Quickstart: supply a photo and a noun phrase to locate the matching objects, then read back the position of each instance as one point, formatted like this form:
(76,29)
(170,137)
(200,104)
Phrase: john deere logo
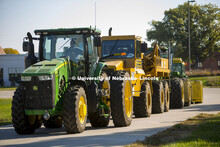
(35,88)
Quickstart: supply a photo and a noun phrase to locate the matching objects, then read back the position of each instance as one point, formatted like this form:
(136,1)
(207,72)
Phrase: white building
(11,67)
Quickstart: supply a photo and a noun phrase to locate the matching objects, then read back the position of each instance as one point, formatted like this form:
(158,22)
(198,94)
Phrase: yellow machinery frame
(139,68)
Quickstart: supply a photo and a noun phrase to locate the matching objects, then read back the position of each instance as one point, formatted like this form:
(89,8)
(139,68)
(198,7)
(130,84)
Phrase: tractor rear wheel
(53,122)
(121,99)
(166,97)
(75,109)
(177,93)
(143,104)
(158,97)
(102,116)
(23,124)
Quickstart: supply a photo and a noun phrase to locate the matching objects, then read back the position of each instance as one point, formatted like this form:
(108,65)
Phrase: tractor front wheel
(23,124)
(75,110)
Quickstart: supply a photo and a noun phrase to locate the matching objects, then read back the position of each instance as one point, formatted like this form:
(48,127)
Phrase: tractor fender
(93,89)
(99,69)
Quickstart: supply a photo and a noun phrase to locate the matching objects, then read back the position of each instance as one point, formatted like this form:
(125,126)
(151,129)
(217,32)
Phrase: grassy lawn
(5,111)
(202,130)
(7,88)
(208,81)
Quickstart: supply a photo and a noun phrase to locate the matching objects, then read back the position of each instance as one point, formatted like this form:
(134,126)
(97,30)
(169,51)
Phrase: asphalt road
(111,136)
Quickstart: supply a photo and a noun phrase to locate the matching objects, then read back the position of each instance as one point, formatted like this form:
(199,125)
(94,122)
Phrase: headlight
(25,78)
(44,78)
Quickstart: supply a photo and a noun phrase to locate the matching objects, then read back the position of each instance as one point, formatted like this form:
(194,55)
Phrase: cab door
(93,56)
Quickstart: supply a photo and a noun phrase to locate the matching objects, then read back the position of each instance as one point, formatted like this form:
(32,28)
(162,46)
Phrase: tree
(11,51)
(173,29)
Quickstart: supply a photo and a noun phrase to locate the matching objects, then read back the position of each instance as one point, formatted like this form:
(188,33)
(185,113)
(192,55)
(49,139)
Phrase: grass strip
(202,130)
(208,81)
(8,88)
(5,111)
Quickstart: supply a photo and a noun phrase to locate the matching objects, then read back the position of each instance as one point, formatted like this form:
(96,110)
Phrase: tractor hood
(115,64)
(45,67)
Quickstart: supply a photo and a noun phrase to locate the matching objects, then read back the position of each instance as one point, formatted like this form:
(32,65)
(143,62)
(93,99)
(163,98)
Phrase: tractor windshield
(177,67)
(59,46)
(118,46)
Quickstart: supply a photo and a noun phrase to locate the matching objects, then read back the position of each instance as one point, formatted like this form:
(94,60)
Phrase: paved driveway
(112,136)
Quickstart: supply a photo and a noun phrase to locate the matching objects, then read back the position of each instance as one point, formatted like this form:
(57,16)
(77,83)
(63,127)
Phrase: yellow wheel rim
(167,100)
(162,97)
(182,94)
(105,89)
(31,119)
(149,100)
(128,99)
(82,110)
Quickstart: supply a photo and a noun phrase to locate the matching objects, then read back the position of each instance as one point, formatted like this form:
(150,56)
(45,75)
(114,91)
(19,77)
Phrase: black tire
(20,120)
(166,97)
(99,118)
(177,94)
(187,103)
(121,116)
(53,122)
(158,97)
(143,104)
(75,99)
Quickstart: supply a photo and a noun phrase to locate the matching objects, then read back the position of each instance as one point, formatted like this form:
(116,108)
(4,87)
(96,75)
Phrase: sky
(126,17)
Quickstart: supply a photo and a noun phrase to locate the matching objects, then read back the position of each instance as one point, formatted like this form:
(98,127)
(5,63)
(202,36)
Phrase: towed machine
(150,94)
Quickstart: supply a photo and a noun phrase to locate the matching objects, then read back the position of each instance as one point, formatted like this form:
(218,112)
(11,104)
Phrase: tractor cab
(75,45)
(178,68)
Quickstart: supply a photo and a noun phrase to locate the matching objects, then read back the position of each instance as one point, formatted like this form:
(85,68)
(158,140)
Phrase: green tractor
(178,72)
(54,89)
(193,90)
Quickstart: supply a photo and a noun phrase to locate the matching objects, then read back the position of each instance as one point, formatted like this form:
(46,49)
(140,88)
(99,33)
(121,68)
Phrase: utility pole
(95,15)
(189,33)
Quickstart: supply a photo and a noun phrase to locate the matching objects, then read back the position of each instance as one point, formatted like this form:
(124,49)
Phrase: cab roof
(121,37)
(178,60)
(61,31)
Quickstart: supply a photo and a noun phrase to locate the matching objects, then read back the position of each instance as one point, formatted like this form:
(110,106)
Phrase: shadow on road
(84,139)
(203,107)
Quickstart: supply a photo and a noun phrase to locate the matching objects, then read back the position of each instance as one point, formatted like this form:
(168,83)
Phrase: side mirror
(97,41)
(144,47)
(26,46)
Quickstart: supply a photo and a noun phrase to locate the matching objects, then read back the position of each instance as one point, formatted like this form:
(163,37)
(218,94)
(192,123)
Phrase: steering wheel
(69,52)
(72,53)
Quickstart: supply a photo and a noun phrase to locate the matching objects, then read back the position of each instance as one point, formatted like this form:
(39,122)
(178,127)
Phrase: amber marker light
(123,54)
